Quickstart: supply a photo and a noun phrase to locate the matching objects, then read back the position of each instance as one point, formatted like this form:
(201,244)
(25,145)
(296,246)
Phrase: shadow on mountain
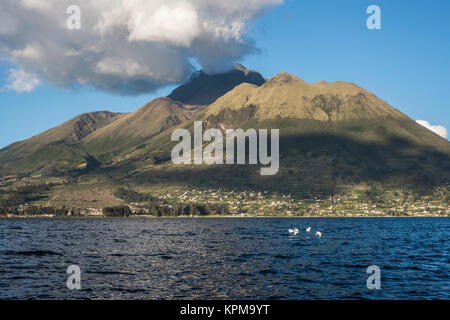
(320,165)
(204,89)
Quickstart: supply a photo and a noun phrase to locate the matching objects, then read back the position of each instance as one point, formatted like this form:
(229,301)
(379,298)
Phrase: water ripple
(225,258)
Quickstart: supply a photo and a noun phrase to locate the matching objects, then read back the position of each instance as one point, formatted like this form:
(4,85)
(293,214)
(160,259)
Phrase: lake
(225,258)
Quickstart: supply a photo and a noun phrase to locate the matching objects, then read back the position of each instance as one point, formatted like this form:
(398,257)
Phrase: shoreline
(220,217)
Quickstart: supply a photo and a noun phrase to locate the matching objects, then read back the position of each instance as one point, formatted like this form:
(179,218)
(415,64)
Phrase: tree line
(158,207)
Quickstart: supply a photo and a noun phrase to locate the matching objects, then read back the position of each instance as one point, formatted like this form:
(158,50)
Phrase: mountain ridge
(287,95)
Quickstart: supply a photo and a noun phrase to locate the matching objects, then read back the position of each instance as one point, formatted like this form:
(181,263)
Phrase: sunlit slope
(286,95)
(340,103)
(54,148)
(332,135)
(129,131)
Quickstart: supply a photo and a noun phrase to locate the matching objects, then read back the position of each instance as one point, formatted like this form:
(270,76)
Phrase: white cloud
(438,129)
(29,52)
(175,25)
(20,81)
(37,4)
(120,66)
(126,47)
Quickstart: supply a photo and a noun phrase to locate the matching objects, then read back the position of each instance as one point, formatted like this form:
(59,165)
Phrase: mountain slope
(98,134)
(56,144)
(154,117)
(204,89)
(286,95)
(70,132)
(332,135)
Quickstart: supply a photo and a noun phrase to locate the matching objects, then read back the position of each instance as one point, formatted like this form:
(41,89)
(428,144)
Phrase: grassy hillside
(115,142)
(332,136)
(54,149)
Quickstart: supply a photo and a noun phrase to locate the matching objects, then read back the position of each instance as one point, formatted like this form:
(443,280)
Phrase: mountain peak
(203,88)
(287,96)
(283,78)
(321,82)
(240,67)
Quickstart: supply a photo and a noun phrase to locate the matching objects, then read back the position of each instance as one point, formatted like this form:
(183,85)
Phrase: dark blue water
(225,258)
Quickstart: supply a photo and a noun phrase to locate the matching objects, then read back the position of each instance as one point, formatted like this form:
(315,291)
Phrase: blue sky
(405,63)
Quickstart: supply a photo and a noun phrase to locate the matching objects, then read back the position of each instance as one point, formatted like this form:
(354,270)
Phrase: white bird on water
(308,229)
(318,234)
(293,231)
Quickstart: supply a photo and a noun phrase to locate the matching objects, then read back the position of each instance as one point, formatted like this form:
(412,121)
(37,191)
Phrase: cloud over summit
(126,47)
(438,129)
